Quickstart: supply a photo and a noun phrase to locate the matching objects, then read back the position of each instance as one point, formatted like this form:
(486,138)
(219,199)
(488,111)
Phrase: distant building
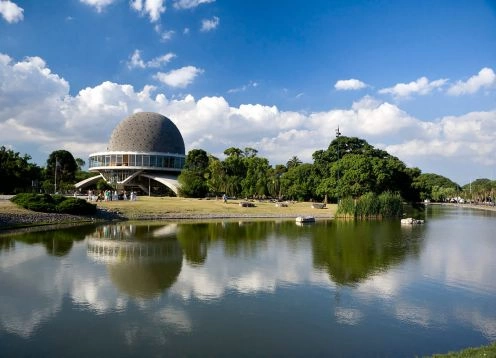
(145,151)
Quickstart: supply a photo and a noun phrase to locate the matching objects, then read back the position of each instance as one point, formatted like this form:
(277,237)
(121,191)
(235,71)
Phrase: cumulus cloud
(486,78)
(99,5)
(189,4)
(348,85)
(152,8)
(182,77)
(421,86)
(11,12)
(37,111)
(209,24)
(135,60)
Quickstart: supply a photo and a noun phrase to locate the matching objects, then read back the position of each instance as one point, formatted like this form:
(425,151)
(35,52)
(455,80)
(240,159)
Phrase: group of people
(109,195)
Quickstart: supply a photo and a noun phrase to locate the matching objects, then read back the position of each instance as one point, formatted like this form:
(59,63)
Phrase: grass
(187,207)
(484,351)
(149,207)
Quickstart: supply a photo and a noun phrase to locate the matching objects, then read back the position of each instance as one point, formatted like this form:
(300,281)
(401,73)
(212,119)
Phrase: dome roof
(146,132)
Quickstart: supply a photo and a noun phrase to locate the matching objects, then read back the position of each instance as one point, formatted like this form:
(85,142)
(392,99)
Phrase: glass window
(153,160)
(146,160)
(132,161)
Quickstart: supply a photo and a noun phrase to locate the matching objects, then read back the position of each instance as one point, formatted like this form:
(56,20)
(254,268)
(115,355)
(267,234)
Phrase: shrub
(76,206)
(57,203)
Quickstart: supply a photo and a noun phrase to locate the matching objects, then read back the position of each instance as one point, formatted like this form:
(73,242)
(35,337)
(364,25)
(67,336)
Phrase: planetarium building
(145,152)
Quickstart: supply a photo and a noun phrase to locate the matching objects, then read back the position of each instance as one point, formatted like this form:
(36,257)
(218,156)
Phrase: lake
(251,288)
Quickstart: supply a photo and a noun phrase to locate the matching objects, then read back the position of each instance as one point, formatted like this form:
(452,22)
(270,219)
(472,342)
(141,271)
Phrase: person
(224,197)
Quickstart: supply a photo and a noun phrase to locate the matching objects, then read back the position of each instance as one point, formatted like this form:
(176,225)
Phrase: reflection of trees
(57,242)
(142,260)
(238,237)
(6,244)
(352,251)
(194,239)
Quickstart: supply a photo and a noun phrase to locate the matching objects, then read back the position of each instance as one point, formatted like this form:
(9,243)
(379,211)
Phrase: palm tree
(293,162)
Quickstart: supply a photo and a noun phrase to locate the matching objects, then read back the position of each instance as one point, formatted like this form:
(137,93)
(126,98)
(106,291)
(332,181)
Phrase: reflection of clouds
(349,316)
(177,318)
(481,322)
(413,314)
(23,308)
(277,265)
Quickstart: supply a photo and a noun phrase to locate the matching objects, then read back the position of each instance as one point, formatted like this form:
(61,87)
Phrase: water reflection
(142,261)
(153,287)
(352,251)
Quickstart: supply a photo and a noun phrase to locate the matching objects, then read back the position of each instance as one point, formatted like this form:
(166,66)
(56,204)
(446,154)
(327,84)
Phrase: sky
(415,78)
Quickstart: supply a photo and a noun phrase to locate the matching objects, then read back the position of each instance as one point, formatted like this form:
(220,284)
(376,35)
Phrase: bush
(76,206)
(54,204)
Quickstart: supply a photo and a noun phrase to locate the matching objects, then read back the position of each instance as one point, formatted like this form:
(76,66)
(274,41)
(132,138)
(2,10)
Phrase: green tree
(62,165)
(80,163)
(193,176)
(429,186)
(215,176)
(17,174)
(235,171)
(293,162)
(298,182)
(256,180)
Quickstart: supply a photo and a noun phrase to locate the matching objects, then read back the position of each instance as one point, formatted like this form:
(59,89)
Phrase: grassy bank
(155,208)
(484,351)
(169,207)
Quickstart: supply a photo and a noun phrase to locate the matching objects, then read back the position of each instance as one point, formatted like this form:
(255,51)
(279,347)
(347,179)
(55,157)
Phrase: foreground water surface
(251,288)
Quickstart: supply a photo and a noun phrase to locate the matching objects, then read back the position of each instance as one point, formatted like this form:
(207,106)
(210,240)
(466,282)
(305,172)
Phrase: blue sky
(416,78)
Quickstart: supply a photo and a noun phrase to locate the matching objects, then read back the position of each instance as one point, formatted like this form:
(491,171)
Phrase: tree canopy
(17,174)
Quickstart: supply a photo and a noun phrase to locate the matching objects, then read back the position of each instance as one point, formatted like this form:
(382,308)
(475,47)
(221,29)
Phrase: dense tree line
(349,167)
(19,175)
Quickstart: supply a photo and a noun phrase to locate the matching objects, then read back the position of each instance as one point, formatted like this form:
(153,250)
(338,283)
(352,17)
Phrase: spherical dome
(146,132)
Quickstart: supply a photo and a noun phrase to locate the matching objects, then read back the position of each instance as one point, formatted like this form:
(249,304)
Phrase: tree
(298,182)
(430,186)
(215,176)
(255,181)
(80,163)
(293,162)
(192,178)
(61,164)
(17,174)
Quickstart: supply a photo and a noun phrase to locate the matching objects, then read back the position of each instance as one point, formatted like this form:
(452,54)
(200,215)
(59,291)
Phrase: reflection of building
(142,261)
(145,151)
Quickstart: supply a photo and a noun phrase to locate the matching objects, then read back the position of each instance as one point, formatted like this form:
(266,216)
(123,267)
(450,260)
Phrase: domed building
(145,152)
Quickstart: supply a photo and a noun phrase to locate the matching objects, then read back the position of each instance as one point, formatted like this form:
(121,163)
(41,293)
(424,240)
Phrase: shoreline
(13,218)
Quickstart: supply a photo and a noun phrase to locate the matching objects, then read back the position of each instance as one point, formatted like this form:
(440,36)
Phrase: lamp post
(338,134)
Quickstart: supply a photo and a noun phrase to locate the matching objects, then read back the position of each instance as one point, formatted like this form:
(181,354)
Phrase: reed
(370,205)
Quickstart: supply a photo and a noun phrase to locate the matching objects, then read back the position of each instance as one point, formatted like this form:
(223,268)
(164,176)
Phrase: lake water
(251,288)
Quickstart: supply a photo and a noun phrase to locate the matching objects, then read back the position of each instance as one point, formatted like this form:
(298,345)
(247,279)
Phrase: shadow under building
(145,152)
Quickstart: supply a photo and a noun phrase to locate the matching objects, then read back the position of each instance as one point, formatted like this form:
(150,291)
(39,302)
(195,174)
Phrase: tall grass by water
(370,205)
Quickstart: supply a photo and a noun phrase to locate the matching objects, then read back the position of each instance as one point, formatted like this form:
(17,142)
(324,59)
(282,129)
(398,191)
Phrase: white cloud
(11,12)
(38,112)
(136,61)
(486,78)
(165,35)
(181,77)
(209,24)
(351,84)
(421,86)
(152,8)
(189,4)
(251,84)
(99,5)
